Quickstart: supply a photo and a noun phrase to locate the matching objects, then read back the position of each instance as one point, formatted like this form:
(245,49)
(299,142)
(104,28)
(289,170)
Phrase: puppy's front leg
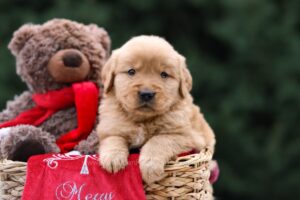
(158,151)
(113,153)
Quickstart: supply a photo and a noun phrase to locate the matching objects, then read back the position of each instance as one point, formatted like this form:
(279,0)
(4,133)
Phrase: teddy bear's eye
(164,75)
(131,72)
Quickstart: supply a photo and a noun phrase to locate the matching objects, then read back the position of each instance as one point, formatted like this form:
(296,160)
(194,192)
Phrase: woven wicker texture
(185,178)
(12,179)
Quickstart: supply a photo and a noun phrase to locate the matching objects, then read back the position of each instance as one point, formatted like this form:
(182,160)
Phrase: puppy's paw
(152,169)
(114,161)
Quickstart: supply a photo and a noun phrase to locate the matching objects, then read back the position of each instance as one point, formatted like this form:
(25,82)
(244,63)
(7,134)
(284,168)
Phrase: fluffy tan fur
(169,125)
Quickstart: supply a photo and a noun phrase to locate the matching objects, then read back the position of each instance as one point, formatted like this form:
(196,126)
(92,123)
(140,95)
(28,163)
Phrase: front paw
(114,161)
(152,169)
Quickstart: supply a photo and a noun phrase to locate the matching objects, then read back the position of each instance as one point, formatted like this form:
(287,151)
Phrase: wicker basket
(186,178)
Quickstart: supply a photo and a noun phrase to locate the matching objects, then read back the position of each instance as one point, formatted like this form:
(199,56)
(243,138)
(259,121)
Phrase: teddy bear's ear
(101,36)
(20,37)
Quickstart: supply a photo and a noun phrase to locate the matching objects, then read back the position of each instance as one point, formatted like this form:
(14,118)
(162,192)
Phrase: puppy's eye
(131,72)
(164,75)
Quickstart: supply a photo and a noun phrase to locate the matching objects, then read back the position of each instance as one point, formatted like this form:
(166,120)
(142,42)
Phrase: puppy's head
(147,76)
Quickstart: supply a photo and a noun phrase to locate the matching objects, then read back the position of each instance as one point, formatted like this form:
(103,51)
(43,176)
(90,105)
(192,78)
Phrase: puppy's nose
(146,95)
(72,59)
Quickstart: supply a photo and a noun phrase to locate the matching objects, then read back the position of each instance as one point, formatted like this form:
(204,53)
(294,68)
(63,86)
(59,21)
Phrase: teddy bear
(60,61)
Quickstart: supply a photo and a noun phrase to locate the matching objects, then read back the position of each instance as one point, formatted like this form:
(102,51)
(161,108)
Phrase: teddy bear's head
(58,53)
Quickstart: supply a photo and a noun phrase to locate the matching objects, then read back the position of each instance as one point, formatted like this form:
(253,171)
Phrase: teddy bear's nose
(69,66)
(72,59)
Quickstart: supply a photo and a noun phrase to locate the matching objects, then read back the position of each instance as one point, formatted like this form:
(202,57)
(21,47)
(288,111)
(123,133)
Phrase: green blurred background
(244,57)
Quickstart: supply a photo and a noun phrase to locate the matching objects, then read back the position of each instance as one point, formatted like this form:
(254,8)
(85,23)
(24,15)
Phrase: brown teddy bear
(60,61)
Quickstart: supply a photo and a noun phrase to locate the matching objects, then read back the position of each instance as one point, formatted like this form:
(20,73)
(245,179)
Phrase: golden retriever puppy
(147,104)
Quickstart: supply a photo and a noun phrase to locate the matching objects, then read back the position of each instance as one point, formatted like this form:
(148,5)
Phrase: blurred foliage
(244,57)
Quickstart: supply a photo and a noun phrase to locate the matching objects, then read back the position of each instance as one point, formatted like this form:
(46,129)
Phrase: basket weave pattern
(12,179)
(186,178)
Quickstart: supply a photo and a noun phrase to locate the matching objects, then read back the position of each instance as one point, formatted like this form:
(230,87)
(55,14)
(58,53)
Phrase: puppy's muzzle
(146,95)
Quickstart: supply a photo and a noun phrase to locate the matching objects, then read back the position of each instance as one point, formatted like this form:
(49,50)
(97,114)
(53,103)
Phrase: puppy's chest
(143,133)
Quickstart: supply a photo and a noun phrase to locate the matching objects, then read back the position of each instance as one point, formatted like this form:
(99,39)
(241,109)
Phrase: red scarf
(85,98)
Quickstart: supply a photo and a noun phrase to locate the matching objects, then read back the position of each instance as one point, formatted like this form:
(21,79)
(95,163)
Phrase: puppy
(147,104)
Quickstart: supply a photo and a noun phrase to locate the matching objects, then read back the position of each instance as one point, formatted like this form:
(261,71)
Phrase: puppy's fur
(164,127)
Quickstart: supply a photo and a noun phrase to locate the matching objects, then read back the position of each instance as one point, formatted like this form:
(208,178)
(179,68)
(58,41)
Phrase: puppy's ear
(21,36)
(108,72)
(186,82)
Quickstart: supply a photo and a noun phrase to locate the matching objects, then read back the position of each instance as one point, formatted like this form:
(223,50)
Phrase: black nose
(72,59)
(146,95)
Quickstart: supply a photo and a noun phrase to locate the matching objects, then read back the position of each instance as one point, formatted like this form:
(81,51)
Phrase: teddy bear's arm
(15,107)
(89,145)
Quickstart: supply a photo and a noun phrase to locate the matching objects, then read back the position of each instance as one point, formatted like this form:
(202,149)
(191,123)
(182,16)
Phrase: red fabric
(214,172)
(57,177)
(193,151)
(83,95)
(86,102)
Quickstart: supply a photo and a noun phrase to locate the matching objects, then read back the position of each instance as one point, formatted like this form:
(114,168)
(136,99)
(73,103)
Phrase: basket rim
(187,163)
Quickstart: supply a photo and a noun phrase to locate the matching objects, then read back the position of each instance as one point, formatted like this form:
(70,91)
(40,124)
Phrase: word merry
(70,191)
